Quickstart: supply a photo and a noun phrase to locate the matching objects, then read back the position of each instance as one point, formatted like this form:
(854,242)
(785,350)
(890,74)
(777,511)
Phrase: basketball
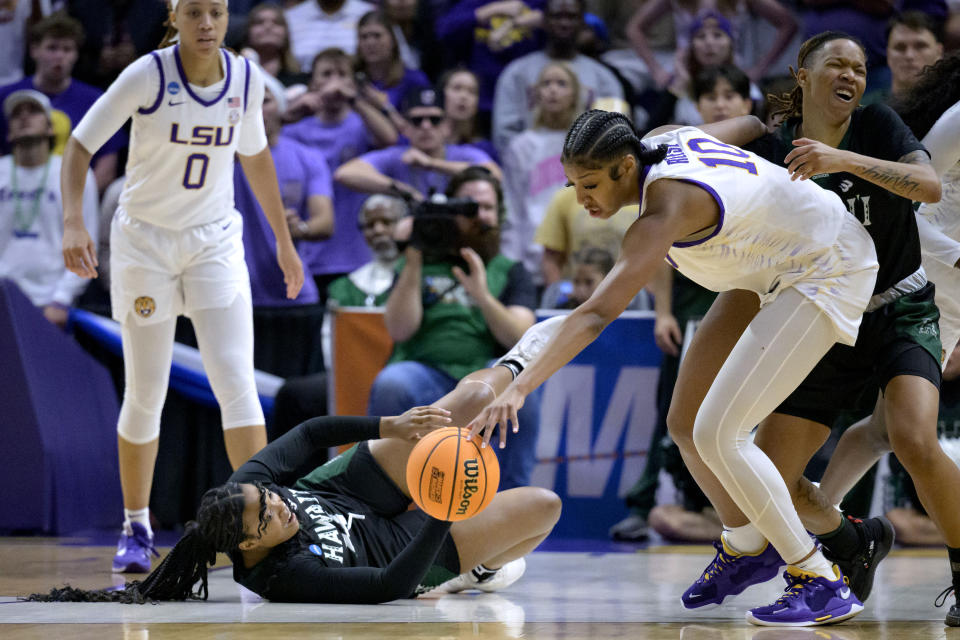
(450,477)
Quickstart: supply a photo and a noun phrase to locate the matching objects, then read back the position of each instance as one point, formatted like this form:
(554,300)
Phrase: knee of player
(706,440)
(475,391)
(138,425)
(548,504)
(145,398)
(916,448)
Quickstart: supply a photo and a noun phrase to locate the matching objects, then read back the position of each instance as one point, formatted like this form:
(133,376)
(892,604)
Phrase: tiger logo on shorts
(144,306)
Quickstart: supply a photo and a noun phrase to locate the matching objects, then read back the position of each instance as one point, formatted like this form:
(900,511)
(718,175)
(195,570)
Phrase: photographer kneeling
(456,305)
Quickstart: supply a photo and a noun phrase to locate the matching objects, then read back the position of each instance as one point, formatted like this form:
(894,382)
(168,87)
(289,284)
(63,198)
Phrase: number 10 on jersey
(707,146)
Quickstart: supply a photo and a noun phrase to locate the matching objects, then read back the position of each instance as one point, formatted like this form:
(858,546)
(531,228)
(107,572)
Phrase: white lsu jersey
(773,232)
(183,139)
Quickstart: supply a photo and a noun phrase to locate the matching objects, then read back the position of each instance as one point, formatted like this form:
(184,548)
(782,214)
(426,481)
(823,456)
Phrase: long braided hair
(599,137)
(218,527)
(937,90)
(790,104)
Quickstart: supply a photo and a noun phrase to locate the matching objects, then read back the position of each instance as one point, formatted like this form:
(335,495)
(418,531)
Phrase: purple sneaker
(729,574)
(133,551)
(809,600)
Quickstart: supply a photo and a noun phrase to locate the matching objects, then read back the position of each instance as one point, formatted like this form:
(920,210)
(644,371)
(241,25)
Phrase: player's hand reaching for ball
(414,423)
(500,411)
(292,268)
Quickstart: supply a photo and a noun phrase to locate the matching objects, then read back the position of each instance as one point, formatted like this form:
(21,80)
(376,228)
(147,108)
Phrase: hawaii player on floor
(343,532)
(735,223)
(176,239)
(932,111)
(828,139)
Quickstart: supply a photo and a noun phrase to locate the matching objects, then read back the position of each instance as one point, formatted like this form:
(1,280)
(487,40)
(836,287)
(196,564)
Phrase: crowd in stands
(371,108)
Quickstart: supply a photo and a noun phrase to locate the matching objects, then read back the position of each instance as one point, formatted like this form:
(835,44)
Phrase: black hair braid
(598,137)
(219,527)
(790,104)
(937,89)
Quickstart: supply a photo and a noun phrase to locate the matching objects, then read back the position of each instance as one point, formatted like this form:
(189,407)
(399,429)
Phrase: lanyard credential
(23,220)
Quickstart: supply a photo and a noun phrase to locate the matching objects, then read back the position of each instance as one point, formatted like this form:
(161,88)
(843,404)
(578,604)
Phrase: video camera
(436,230)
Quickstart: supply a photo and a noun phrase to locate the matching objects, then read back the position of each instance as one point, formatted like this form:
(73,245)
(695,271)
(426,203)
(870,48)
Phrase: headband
(723,23)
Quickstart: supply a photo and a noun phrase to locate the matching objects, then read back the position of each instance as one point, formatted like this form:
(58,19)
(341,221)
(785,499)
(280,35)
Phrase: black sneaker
(876,539)
(953,616)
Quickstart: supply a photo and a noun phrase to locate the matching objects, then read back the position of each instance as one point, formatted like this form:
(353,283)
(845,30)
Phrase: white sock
(819,565)
(141,516)
(745,539)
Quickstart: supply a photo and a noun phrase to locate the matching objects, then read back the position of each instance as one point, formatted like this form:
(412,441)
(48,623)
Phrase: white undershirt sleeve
(137,86)
(253,137)
(943,140)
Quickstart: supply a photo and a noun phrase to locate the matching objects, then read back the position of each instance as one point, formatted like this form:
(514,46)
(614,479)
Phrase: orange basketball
(450,477)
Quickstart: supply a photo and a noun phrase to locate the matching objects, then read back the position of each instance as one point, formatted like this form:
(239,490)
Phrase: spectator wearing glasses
(422,167)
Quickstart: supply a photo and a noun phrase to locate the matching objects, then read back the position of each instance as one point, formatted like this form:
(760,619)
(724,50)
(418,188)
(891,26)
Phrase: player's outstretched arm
(736,131)
(674,210)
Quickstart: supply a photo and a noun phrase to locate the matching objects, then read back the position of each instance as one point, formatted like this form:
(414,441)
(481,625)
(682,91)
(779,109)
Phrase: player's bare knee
(549,504)
(475,391)
(916,450)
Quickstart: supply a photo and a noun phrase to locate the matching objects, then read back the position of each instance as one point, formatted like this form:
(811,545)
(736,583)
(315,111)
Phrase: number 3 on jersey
(702,146)
(195,172)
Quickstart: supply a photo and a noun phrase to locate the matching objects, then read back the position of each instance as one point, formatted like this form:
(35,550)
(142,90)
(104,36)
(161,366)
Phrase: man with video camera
(457,304)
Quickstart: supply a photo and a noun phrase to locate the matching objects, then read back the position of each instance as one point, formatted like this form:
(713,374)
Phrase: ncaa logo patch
(316,550)
(173,88)
(144,306)
(234,116)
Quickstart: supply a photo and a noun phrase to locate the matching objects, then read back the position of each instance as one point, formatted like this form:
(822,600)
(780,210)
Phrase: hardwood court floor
(595,595)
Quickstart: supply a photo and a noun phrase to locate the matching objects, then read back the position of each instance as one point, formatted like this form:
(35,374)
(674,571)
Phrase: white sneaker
(503,578)
(532,341)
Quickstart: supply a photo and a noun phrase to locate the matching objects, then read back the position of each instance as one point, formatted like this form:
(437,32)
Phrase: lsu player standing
(176,238)
(731,222)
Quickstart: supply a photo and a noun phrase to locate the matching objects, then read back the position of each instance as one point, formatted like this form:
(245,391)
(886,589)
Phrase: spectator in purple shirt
(422,167)
(487,36)
(378,59)
(54,47)
(286,332)
(341,123)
